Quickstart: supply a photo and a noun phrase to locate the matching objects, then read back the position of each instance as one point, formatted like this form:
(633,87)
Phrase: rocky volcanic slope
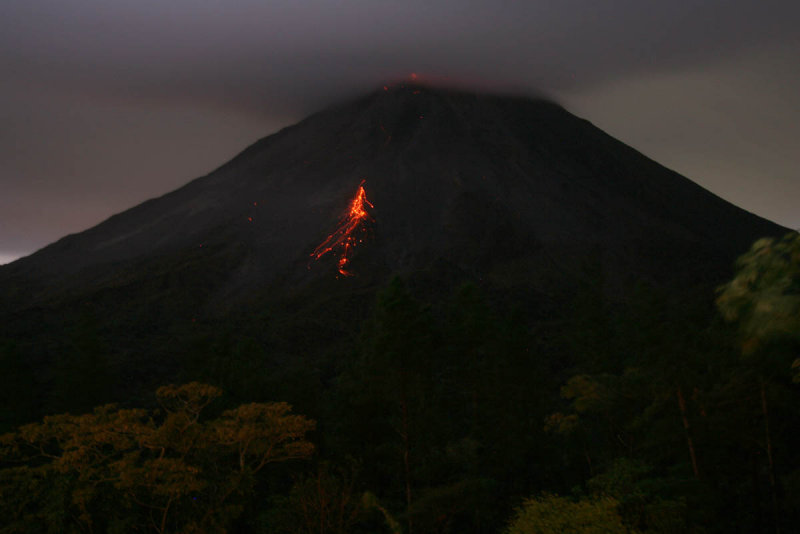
(478,181)
(515,194)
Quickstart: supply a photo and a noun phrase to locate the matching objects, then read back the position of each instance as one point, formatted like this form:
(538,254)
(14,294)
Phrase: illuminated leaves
(764,297)
(264,433)
(559,423)
(551,513)
(159,465)
(587,393)
(158,477)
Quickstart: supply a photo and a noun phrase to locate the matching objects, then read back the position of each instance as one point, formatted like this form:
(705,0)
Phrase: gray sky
(105,103)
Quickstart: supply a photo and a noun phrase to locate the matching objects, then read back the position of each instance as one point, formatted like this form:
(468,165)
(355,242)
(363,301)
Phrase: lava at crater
(349,232)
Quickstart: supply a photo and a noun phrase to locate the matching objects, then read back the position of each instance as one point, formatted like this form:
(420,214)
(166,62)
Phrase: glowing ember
(343,240)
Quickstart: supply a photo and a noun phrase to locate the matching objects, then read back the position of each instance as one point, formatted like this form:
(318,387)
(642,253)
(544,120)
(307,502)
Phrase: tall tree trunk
(757,507)
(687,429)
(588,459)
(767,435)
(406,460)
(322,502)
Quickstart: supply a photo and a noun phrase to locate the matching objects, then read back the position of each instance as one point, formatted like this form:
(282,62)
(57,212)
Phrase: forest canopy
(660,414)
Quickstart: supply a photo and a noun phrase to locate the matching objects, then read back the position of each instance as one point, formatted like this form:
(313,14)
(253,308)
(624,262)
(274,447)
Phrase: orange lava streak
(343,239)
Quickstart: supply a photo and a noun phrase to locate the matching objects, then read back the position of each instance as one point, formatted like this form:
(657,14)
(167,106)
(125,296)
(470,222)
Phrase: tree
(644,502)
(321,502)
(127,469)
(764,296)
(553,514)
(387,391)
(763,299)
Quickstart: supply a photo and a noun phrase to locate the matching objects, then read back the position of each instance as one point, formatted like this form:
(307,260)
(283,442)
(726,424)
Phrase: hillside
(526,291)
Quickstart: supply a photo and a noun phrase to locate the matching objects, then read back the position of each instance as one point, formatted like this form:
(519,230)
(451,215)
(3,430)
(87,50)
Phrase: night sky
(106,103)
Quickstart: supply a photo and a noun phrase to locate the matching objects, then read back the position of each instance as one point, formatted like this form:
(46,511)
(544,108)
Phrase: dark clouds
(109,103)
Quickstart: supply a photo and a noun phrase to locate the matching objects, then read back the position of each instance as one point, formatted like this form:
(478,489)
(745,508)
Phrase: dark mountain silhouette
(513,193)
(471,179)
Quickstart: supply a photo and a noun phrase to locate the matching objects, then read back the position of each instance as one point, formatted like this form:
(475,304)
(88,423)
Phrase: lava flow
(343,240)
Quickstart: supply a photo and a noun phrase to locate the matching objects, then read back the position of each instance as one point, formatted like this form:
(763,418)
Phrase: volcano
(475,180)
(515,194)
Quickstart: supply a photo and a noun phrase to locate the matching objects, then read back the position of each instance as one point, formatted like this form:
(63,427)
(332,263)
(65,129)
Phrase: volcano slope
(513,194)
(427,273)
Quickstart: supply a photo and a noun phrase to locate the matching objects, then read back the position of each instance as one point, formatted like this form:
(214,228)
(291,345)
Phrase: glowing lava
(344,239)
